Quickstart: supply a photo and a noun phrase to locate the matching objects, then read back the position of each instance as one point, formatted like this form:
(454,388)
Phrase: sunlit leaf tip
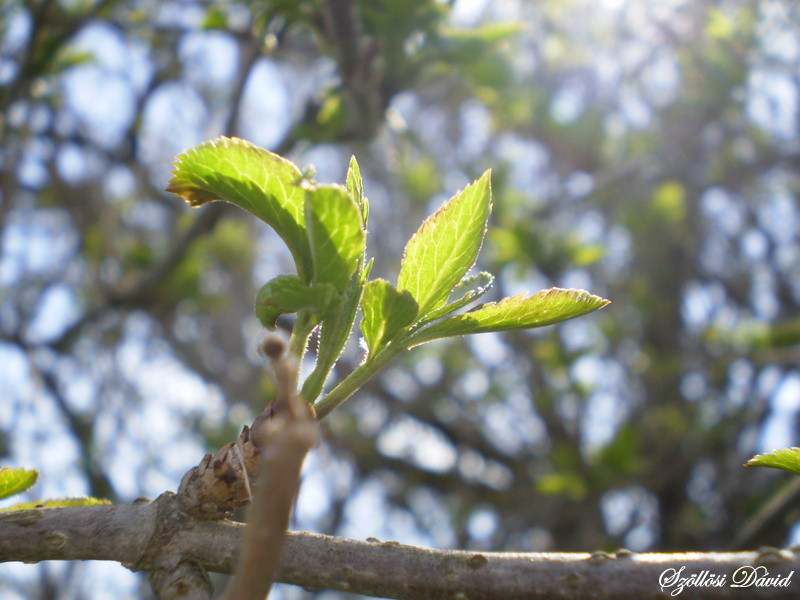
(355,186)
(15,481)
(786,459)
(184,181)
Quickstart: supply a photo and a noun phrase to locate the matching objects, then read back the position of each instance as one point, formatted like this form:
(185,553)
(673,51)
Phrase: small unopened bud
(272,346)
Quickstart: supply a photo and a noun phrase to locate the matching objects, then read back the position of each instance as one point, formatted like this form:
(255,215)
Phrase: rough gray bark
(152,535)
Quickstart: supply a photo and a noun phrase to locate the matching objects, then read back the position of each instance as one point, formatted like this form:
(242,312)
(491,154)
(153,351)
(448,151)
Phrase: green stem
(356,379)
(298,341)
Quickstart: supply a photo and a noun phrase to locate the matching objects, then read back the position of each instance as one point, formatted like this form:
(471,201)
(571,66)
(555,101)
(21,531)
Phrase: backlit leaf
(334,333)
(356,188)
(337,238)
(517,312)
(386,311)
(787,459)
(14,481)
(254,179)
(444,248)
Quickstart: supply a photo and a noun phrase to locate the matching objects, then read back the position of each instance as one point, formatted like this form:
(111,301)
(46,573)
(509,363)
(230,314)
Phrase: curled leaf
(255,179)
(289,294)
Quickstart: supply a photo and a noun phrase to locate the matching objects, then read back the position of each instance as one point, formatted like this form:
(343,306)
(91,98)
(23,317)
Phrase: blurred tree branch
(136,536)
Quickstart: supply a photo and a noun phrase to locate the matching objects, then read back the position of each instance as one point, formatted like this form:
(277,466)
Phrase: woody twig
(282,436)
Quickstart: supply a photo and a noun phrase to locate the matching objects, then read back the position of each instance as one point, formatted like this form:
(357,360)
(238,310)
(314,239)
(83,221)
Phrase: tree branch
(127,534)
(186,581)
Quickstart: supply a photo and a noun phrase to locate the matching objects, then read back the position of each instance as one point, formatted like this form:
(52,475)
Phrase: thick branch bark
(137,536)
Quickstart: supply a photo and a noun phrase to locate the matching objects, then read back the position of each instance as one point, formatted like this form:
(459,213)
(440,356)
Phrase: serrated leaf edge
(792,452)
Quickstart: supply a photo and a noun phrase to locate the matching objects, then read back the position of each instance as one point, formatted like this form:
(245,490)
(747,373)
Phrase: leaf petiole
(356,379)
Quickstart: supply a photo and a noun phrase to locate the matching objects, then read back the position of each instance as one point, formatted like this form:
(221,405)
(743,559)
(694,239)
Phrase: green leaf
(787,459)
(58,503)
(214,18)
(567,484)
(289,294)
(469,289)
(669,201)
(356,188)
(14,481)
(254,179)
(517,312)
(334,333)
(491,33)
(386,311)
(338,240)
(338,324)
(446,245)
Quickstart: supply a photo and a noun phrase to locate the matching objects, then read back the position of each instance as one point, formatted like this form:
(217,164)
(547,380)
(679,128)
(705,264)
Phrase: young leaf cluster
(325,227)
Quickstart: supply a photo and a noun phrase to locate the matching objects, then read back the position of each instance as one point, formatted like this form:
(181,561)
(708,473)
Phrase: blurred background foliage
(646,151)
